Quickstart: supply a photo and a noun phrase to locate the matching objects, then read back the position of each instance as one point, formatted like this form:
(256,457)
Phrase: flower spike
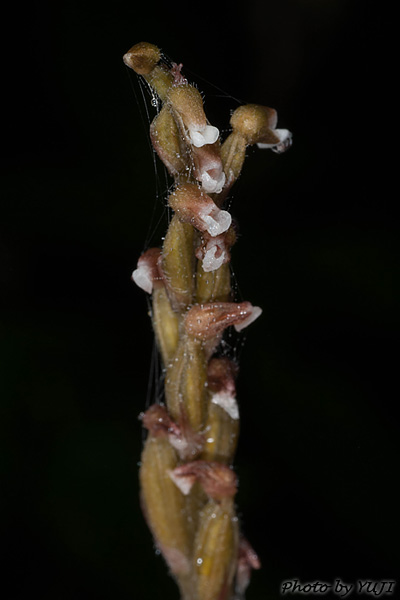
(186,477)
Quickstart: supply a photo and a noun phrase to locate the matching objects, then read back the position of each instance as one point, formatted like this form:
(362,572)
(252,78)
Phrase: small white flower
(204,135)
(210,263)
(142,276)
(215,221)
(210,185)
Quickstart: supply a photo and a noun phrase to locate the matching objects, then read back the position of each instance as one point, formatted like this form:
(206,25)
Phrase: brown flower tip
(221,374)
(205,321)
(257,125)
(247,560)
(218,480)
(221,383)
(215,251)
(142,58)
(157,420)
(194,206)
(181,436)
(147,274)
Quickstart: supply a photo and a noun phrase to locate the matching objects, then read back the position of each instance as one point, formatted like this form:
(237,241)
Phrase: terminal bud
(142,58)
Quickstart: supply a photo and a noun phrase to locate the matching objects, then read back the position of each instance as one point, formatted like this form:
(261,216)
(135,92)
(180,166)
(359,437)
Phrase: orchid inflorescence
(186,476)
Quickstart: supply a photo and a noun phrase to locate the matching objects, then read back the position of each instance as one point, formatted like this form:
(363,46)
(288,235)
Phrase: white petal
(218,223)
(210,263)
(255,313)
(228,402)
(211,134)
(206,135)
(283,134)
(184,483)
(179,443)
(142,277)
(197,138)
(285,141)
(210,185)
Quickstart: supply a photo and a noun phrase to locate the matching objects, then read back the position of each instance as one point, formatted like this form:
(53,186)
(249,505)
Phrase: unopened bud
(167,142)
(165,323)
(142,58)
(185,383)
(205,321)
(178,263)
(194,206)
(233,153)
(163,504)
(215,551)
(147,275)
(221,432)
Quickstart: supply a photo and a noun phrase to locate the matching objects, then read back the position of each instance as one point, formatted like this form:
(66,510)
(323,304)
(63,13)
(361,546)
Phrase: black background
(318,250)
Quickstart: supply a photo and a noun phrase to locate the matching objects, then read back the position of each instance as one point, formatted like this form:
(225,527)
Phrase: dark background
(318,250)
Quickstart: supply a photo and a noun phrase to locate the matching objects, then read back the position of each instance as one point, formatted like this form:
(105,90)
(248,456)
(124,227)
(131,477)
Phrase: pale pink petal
(254,314)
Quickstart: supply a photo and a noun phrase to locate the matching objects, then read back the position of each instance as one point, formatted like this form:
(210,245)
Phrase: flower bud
(233,153)
(221,435)
(163,504)
(165,324)
(185,383)
(214,286)
(178,263)
(205,321)
(253,121)
(193,206)
(167,142)
(147,275)
(215,551)
(142,58)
